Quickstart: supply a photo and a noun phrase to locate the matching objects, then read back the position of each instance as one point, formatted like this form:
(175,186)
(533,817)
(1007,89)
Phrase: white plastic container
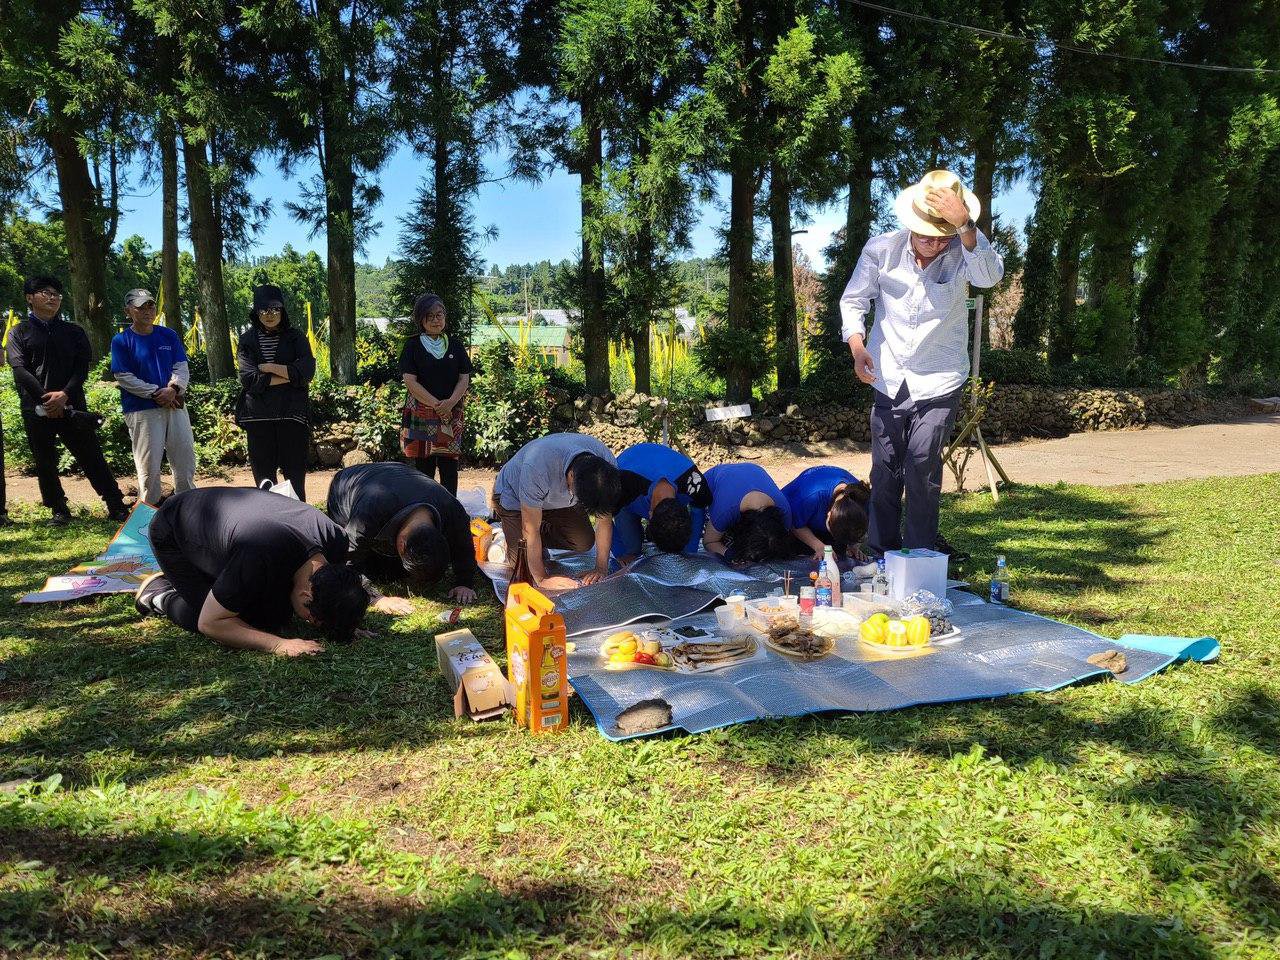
(864,605)
(728,621)
(912,570)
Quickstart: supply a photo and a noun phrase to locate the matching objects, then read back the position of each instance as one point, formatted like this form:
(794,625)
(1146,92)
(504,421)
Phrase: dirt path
(1107,458)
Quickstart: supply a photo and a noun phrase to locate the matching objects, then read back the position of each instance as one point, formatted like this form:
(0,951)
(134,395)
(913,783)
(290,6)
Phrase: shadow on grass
(216,900)
(216,897)
(1061,538)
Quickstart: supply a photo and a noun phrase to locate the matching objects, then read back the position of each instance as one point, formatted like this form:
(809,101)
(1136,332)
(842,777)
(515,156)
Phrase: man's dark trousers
(907,440)
(81,441)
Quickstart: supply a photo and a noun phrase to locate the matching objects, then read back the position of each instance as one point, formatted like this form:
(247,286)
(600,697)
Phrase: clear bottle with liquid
(833,574)
(1000,581)
(822,586)
(880,582)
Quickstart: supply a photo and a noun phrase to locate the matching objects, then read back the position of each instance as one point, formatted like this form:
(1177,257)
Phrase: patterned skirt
(424,433)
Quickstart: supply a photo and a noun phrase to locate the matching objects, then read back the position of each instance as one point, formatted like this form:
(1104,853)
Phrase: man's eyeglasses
(936,241)
(49,294)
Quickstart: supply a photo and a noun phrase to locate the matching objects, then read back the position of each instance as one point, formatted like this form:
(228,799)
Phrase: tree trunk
(645,307)
(742,202)
(860,212)
(642,355)
(206,238)
(742,236)
(984,175)
(595,336)
(786,348)
(340,193)
(169,294)
(1063,319)
(86,245)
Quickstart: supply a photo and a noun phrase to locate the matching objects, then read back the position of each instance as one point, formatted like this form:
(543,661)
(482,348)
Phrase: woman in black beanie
(276,366)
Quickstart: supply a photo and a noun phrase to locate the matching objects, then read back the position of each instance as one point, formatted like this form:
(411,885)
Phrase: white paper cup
(738,604)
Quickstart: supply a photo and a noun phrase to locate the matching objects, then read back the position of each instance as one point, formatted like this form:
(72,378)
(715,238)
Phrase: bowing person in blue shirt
(749,519)
(664,500)
(829,506)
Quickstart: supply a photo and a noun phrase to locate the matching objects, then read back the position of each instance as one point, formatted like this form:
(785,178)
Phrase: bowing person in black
(401,523)
(237,564)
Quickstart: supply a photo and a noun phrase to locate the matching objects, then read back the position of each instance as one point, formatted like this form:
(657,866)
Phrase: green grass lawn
(193,802)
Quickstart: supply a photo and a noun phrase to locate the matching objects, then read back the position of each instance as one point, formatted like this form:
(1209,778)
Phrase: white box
(912,570)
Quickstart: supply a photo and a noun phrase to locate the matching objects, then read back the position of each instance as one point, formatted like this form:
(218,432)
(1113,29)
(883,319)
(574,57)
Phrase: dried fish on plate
(696,656)
(797,641)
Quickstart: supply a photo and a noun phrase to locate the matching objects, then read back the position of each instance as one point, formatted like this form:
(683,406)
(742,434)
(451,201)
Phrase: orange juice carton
(537,660)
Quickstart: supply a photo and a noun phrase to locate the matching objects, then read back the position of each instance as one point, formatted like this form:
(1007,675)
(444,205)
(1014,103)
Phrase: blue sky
(534,221)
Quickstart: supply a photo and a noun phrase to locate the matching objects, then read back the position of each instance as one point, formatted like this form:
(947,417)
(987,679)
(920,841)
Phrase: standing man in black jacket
(50,361)
(399,522)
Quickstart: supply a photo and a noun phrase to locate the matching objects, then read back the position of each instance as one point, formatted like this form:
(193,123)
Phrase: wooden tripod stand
(961,448)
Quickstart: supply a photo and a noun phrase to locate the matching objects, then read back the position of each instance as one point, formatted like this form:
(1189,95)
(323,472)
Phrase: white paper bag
(284,488)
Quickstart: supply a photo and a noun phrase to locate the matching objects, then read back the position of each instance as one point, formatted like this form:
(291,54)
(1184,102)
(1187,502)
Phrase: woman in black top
(437,373)
(276,366)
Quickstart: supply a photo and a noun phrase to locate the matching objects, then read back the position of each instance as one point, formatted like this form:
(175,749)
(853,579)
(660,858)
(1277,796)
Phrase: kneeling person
(664,499)
(237,564)
(401,523)
(829,506)
(749,519)
(544,496)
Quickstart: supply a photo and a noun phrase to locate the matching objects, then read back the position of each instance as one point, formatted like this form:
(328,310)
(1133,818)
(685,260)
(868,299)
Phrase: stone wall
(1013,413)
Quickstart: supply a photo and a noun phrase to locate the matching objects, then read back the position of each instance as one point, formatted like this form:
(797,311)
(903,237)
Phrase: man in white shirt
(917,355)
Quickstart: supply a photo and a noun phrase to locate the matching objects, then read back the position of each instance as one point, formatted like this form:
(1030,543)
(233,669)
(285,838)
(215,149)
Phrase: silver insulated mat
(1000,652)
(658,586)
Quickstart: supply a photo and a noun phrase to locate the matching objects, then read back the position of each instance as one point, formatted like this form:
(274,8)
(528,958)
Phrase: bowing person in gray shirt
(544,497)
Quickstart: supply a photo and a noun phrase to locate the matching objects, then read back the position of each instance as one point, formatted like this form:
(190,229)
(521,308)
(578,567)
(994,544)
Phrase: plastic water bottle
(822,587)
(880,582)
(1000,581)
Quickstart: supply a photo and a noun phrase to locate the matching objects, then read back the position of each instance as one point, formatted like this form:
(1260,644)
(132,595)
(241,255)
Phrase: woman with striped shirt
(276,366)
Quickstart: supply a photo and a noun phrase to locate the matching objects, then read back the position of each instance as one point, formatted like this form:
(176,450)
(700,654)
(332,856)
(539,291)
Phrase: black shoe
(119,513)
(149,591)
(957,555)
(4,519)
(60,517)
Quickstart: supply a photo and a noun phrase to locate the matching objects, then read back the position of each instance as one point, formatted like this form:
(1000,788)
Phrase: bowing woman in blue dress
(664,499)
(749,519)
(829,506)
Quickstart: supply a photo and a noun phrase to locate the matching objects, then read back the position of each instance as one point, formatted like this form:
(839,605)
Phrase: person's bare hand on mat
(558,583)
(462,594)
(595,576)
(393,606)
(297,648)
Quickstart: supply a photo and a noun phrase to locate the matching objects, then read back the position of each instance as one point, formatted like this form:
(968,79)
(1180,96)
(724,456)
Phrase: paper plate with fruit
(627,650)
(895,636)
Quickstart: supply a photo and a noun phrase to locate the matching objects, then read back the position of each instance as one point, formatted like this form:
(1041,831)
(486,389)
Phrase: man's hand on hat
(949,206)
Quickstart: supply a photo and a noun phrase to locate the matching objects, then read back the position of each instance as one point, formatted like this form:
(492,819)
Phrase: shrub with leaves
(510,402)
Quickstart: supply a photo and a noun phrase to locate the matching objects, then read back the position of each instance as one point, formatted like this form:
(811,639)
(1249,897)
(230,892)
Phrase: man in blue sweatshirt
(150,367)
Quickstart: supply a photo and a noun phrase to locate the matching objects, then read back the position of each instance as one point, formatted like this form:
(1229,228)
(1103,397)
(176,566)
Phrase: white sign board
(728,413)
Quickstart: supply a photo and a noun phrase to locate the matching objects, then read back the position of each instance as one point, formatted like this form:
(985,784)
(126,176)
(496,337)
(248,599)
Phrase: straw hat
(913,210)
